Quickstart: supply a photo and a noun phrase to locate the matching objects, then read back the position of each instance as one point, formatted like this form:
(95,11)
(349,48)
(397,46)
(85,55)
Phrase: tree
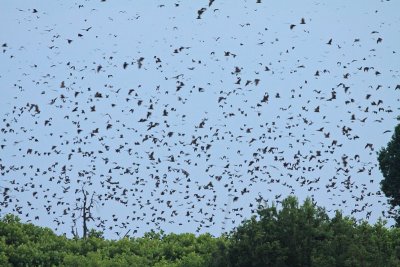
(280,237)
(289,235)
(86,212)
(389,164)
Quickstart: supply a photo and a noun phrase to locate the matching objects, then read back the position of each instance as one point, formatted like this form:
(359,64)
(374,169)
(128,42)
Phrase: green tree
(286,237)
(289,236)
(389,164)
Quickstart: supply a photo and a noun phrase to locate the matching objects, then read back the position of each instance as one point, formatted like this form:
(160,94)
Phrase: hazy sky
(178,118)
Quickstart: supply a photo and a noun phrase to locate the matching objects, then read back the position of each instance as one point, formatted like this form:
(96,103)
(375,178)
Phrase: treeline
(291,235)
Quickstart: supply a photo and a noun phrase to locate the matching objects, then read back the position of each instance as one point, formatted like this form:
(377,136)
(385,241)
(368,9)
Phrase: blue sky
(208,115)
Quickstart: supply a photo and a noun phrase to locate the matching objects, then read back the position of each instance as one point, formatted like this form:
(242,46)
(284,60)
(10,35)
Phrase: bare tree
(88,202)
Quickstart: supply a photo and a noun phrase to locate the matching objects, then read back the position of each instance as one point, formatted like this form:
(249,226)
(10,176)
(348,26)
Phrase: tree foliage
(389,164)
(305,236)
(286,235)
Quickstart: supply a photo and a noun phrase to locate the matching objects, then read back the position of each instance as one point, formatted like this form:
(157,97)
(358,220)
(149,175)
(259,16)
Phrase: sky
(184,116)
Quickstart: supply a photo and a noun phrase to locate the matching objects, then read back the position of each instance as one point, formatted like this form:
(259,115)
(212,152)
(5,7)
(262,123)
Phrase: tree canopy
(286,235)
(389,164)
